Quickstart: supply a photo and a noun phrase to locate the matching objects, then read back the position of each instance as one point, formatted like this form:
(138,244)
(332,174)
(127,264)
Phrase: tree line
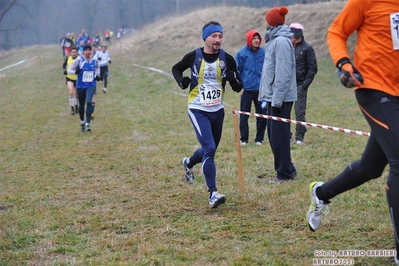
(30,22)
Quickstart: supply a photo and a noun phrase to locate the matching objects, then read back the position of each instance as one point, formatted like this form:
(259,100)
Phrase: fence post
(238,152)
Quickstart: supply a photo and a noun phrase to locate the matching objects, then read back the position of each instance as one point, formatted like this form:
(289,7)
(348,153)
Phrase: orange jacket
(376,53)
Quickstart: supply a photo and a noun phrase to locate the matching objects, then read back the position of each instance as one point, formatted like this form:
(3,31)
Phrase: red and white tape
(349,131)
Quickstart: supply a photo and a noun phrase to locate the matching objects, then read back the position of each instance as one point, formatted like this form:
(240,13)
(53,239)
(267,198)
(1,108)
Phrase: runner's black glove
(184,82)
(232,78)
(65,72)
(77,71)
(235,84)
(97,78)
(109,61)
(348,74)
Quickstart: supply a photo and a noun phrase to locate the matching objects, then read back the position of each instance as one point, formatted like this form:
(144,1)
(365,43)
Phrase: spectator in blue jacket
(249,64)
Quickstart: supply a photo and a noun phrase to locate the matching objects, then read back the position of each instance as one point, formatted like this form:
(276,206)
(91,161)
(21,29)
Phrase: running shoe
(216,199)
(189,173)
(316,207)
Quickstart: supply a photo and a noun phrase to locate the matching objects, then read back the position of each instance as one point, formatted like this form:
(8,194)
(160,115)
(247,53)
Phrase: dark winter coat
(306,64)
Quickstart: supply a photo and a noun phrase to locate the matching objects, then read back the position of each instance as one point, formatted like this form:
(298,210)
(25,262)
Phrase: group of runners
(82,72)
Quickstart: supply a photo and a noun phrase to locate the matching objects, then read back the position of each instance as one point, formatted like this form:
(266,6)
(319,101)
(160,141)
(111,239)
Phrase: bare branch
(10,5)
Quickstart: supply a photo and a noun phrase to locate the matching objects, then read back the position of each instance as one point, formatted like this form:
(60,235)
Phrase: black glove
(77,71)
(109,61)
(97,78)
(348,74)
(65,72)
(276,110)
(237,87)
(235,84)
(99,58)
(184,82)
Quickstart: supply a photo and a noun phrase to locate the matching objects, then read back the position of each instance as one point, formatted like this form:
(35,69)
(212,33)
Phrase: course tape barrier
(349,131)
(16,64)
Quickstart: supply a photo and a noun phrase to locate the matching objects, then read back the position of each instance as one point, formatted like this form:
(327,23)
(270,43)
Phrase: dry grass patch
(116,196)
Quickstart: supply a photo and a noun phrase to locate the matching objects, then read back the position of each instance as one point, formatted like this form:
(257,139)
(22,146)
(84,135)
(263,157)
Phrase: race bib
(87,76)
(210,94)
(395,30)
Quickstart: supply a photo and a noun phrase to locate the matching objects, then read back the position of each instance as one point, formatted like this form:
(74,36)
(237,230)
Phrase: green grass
(116,196)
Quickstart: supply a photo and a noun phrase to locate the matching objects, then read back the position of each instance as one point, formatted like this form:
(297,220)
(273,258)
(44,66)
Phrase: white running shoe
(189,173)
(316,207)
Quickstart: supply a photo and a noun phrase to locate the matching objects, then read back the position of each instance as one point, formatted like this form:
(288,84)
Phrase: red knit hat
(276,16)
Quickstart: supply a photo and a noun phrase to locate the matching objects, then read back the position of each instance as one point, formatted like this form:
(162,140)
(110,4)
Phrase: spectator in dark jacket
(306,69)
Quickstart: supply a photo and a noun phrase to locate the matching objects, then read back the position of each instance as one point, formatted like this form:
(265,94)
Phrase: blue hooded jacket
(250,62)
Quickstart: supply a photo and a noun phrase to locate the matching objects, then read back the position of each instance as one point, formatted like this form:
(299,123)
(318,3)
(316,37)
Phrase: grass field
(116,195)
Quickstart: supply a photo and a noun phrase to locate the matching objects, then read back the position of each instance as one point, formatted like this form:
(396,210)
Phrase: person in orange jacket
(374,75)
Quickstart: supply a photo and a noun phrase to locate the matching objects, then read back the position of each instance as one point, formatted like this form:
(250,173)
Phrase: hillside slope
(184,32)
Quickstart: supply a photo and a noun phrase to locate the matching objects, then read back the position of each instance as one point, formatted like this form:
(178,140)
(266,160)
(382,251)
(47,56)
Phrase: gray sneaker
(87,128)
(316,207)
(189,173)
(216,199)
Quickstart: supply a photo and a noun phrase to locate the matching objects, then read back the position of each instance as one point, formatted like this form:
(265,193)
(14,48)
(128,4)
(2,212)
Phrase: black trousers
(279,133)
(381,111)
(247,98)
(104,75)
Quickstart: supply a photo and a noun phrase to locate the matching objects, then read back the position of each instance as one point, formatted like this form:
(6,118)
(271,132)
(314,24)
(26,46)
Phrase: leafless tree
(5,7)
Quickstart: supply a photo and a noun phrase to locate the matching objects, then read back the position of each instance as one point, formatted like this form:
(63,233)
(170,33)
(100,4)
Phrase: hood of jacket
(282,30)
(250,36)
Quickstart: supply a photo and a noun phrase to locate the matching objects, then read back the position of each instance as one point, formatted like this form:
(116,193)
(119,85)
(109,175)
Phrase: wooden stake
(238,152)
